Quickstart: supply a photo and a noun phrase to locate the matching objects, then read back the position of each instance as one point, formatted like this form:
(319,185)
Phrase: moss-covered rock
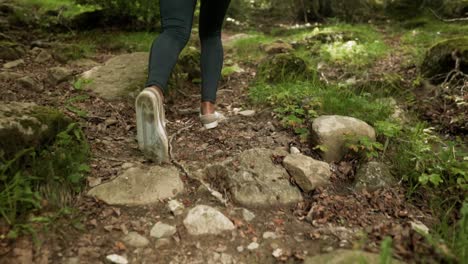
(43,159)
(11,50)
(438,59)
(283,67)
(189,63)
(26,125)
(64,53)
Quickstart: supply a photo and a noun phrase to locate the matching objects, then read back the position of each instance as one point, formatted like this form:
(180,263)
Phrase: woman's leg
(212,13)
(176,20)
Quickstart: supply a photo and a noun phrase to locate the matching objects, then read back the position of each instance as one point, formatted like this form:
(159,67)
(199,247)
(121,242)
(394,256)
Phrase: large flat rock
(140,186)
(254,180)
(120,77)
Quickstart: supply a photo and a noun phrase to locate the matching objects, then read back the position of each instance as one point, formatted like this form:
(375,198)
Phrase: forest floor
(94,230)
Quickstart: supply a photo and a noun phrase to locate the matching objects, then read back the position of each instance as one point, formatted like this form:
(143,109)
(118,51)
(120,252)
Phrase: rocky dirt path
(137,212)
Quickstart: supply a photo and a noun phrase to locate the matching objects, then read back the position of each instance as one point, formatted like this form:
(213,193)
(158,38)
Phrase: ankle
(159,90)
(207,108)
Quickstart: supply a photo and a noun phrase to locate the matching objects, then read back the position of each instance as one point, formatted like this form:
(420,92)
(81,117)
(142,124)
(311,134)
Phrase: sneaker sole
(151,133)
(211,125)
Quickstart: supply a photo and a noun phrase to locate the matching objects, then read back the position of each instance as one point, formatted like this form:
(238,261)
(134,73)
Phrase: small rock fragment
(28,83)
(307,172)
(253,246)
(419,227)
(43,56)
(161,230)
(277,253)
(117,259)
(93,181)
(269,235)
(59,74)
(247,215)
(247,113)
(240,249)
(163,242)
(134,239)
(13,64)
(127,165)
(202,220)
(176,207)
(294,150)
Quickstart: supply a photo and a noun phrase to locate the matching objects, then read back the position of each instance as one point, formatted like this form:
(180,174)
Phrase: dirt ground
(340,218)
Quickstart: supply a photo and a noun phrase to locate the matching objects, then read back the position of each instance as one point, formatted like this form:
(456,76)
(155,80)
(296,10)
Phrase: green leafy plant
(386,251)
(364,146)
(52,173)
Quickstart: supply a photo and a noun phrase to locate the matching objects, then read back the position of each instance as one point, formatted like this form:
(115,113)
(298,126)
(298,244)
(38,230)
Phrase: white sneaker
(210,121)
(151,127)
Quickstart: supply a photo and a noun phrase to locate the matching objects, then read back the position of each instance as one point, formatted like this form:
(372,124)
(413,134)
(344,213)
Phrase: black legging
(177,16)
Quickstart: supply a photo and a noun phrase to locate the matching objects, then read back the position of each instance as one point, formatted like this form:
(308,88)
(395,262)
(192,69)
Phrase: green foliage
(386,251)
(364,147)
(145,12)
(296,103)
(52,173)
(67,8)
(424,159)
(283,68)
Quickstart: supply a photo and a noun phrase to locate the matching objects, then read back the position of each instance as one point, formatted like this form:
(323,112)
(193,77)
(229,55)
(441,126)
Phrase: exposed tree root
(181,167)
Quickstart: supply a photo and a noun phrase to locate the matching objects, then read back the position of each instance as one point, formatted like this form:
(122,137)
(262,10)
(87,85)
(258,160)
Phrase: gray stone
(253,246)
(372,176)
(176,207)
(308,173)
(204,220)
(11,51)
(343,256)
(269,235)
(28,83)
(138,186)
(247,215)
(220,258)
(254,180)
(119,77)
(134,239)
(59,74)
(247,113)
(8,76)
(161,230)
(332,132)
(163,242)
(43,56)
(13,64)
(117,259)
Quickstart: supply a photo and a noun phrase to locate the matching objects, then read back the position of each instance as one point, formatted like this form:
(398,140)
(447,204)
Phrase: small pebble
(247,113)
(295,150)
(114,258)
(247,215)
(269,235)
(176,207)
(240,249)
(277,253)
(253,246)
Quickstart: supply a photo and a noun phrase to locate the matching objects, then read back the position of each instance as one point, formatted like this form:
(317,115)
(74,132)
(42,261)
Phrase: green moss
(438,58)
(67,52)
(283,67)
(50,166)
